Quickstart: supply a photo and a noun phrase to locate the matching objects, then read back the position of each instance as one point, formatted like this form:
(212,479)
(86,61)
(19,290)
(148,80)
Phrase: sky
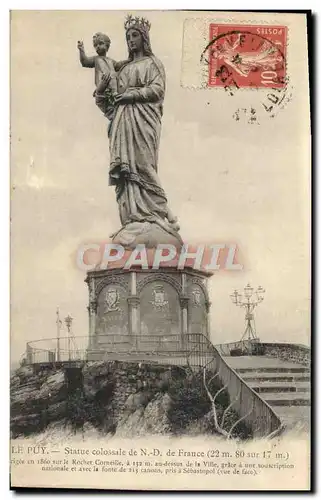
(226,181)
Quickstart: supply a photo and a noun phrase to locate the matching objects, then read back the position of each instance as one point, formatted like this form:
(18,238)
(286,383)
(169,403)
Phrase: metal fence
(105,346)
(244,346)
(251,408)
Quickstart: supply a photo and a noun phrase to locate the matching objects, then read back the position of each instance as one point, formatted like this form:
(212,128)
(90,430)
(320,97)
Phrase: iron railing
(251,408)
(105,346)
(247,347)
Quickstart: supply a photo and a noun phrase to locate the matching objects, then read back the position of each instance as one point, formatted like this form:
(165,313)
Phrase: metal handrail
(46,350)
(249,405)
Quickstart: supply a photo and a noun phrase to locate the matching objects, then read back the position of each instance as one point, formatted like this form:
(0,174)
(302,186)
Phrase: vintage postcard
(160,249)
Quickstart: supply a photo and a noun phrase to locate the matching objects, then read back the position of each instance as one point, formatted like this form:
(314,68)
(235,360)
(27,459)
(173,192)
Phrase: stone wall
(294,353)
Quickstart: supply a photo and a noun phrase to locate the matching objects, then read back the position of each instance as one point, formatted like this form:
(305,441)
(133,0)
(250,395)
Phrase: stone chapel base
(145,311)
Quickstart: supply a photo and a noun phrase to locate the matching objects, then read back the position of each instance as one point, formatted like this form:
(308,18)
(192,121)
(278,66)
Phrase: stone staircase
(285,386)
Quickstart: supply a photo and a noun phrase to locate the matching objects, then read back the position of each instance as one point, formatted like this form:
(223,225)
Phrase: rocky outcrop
(36,399)
(142,419)
(125,399)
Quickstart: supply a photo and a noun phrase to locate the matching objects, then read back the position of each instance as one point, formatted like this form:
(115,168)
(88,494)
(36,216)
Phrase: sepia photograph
(160,250)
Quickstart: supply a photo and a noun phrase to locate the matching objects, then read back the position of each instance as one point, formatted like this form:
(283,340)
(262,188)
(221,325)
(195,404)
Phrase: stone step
(273,369)
(287,398)
(276,377)
(284,385)
(276,386)
(264,364)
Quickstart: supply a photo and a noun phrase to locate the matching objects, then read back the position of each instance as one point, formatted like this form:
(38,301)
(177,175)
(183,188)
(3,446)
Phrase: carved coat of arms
(112,300)
(159,298)
(196,297)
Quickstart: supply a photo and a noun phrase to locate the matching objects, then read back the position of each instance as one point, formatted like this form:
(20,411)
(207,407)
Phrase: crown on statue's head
(139,23)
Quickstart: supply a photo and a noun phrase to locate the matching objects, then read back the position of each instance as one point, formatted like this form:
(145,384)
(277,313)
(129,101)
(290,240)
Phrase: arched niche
(197,311)
(112,313)
(159,309)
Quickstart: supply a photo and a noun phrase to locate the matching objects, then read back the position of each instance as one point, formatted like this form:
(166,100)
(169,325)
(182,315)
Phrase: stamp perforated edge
(205,23)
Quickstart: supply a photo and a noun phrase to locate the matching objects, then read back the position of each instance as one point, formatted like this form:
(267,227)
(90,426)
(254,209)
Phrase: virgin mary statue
(134,133)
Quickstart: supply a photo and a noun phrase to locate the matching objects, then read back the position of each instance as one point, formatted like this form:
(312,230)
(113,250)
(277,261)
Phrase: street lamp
(234,297)
(248,291)
(68,321)
(251,300)
(58,323)
(260,293)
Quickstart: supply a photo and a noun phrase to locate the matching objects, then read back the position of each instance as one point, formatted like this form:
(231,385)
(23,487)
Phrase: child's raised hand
(80,45)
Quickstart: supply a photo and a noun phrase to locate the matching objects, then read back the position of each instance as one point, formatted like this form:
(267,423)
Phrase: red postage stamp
(247,56)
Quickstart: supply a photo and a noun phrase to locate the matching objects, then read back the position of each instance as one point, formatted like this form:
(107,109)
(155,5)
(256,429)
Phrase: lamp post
(249,301)
(58,323)
(68,321)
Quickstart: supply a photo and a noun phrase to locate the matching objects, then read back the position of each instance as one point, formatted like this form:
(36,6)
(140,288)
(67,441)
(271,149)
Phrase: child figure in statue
(103,65)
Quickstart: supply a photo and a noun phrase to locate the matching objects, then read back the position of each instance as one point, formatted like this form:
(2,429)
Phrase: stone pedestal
(145,310)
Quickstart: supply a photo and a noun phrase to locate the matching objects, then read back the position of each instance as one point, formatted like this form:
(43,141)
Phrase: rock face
(145,420)
(36,399)
(125,399)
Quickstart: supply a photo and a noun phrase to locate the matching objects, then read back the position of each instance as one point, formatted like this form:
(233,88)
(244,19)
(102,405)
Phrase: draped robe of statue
(134,134)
